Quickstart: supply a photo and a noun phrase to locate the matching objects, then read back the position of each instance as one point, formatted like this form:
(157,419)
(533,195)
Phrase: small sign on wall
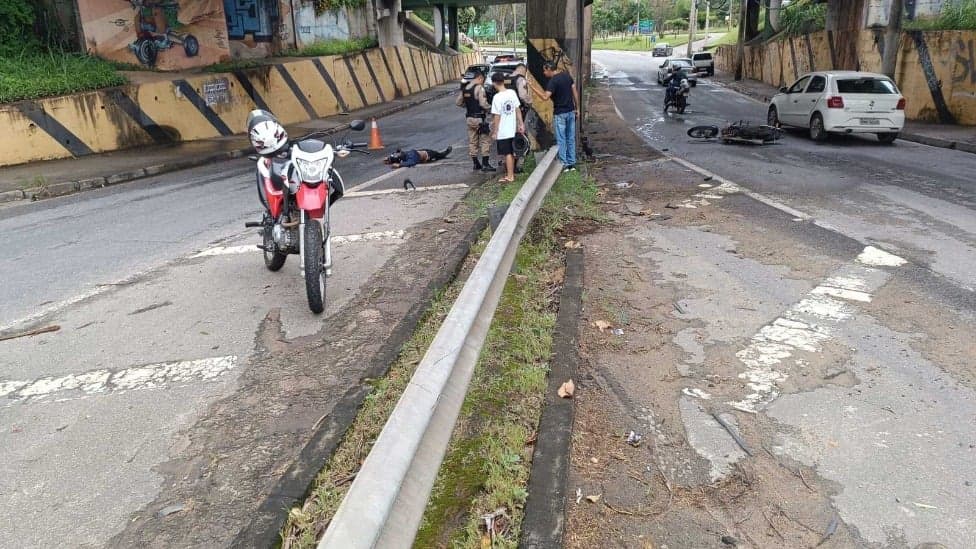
(216,92)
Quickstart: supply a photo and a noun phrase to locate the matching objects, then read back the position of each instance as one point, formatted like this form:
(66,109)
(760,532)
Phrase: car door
(662,70)
(807,101)
(789,107)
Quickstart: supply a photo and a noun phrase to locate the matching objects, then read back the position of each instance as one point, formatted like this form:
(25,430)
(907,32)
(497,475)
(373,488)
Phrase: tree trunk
(889,60)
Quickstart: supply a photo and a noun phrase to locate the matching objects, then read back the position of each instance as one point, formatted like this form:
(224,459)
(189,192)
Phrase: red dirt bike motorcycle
(297,185)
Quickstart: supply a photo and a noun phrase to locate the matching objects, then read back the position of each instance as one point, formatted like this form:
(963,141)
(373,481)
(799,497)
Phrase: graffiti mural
(543,50)
(255,18)
(163,34)
(965,70)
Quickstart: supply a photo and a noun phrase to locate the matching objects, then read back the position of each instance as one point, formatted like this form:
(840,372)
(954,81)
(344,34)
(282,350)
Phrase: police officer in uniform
(475,102)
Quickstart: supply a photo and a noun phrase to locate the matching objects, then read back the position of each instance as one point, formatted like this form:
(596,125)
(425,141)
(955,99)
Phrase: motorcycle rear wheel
(314,265)
(274,259)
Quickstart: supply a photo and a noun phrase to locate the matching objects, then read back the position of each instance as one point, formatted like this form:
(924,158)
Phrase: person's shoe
(569,169)
(447,152)
(477,165)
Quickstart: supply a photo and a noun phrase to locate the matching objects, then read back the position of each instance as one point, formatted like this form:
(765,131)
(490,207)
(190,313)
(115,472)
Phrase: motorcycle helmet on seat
(267,135)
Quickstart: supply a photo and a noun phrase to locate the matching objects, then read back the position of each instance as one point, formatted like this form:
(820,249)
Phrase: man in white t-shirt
(508,122)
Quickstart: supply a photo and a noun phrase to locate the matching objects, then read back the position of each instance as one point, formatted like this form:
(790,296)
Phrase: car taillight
(901,104)
(835,102)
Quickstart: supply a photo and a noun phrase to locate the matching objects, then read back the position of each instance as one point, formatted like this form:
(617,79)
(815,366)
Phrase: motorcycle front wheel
(314,265)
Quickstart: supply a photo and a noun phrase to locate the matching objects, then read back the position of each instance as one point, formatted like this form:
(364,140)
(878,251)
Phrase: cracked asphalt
(819,298)
(185,377)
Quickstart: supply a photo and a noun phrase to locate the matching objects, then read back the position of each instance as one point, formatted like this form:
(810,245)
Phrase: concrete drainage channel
(386,501)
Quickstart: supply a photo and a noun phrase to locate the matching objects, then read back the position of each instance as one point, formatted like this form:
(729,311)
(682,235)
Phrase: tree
(466,17)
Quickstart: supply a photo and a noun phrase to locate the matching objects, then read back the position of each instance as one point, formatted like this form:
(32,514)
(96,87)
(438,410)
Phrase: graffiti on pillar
(964,71)
(257,18)
(540,51)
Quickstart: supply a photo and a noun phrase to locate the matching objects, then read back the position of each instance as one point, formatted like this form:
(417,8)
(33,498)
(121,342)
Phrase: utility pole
(889,60)
(637,28)
(515,39)
(708,7)
(692,23)
(740,50)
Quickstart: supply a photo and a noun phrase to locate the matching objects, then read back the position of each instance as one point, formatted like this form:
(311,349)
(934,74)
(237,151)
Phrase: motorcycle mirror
(357,125)
(342,153)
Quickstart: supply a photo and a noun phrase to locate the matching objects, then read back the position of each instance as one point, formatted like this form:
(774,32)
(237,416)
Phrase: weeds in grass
(334,47)
(32,75)
(488,463)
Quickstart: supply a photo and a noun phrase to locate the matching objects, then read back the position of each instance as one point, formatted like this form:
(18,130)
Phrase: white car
(841,102)
(669,65)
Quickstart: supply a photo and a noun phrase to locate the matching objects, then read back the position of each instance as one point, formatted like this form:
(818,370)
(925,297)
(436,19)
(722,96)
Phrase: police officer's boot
(477,165)
(486,166)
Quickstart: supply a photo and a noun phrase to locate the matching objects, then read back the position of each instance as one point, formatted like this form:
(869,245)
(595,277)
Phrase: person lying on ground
(411,157)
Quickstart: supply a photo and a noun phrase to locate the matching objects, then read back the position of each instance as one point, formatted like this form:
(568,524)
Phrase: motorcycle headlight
(312,171)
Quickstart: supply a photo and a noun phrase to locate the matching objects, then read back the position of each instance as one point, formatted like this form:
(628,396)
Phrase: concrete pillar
(440,16)
(752,19)
(453,40)
(554,32)
(774,12)
(389,23)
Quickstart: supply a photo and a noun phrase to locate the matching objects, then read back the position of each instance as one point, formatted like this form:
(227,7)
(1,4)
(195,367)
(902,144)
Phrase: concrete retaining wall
(215,105)
(936,69)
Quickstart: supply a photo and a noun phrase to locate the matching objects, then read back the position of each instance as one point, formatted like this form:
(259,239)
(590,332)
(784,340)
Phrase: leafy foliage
(958,15)
(34,75)
(334,47)
(802,17)
(16,27)
(322,6)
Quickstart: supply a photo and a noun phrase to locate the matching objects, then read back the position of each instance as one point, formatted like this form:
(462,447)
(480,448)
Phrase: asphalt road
(161,297)
(833,320)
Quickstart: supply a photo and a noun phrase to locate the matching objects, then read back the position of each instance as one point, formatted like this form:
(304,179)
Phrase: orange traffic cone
(375,141)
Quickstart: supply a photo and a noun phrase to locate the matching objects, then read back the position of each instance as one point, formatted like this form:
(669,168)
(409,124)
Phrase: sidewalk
(51,178)
(962,138)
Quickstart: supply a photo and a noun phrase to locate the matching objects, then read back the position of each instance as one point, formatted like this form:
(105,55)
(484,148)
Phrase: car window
(817,84)
(866,85)
(800,85)
(702,56)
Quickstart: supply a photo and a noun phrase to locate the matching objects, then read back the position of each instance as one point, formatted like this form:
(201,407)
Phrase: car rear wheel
(817,131)
(772,116)
(888,138)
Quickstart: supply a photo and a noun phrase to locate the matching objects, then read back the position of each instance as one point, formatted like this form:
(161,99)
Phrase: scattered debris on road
(567,389)
(31,333)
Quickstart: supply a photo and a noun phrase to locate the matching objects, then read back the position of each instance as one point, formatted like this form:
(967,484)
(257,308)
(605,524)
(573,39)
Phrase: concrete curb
(907,136)
(544,522)
(71,187)
(265,529)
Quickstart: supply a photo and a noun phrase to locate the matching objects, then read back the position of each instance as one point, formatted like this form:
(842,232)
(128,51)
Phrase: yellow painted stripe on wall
(382,75)
(160,103)
(344,83)
(400,80)
(369,88)
(314,88)
(413,75)
(22,141)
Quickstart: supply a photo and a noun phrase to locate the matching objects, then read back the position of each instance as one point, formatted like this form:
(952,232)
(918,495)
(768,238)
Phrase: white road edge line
(340,239)
(149,376)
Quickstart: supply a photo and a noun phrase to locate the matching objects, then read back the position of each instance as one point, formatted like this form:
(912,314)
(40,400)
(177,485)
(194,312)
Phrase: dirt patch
(658,338)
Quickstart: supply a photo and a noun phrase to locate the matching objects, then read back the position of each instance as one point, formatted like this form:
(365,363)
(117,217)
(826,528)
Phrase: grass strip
(32,75)
(487,465)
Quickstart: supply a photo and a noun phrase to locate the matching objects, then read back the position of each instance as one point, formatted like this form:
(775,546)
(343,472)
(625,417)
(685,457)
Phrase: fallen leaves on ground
(567,389)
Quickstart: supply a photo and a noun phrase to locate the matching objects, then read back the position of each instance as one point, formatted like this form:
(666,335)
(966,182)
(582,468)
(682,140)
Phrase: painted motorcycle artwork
(158,28)
(160,34)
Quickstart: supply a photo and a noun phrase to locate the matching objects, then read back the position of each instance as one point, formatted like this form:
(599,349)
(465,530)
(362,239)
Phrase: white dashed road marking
(336,240)
(99,382)
(808,324)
